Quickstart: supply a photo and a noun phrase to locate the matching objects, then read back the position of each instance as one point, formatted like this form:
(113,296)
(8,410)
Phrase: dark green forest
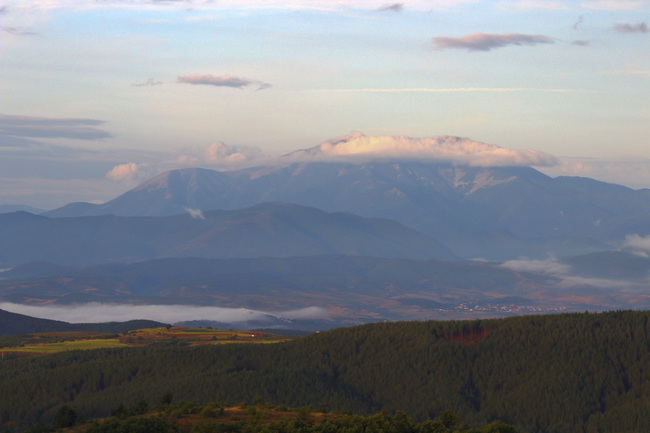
(580,372)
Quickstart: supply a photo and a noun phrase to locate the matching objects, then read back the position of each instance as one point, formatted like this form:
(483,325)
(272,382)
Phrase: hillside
(169,417)
(13,323)
(583,372)
(264,230)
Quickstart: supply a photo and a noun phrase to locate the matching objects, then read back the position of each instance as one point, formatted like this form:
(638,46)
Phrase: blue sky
(96,96)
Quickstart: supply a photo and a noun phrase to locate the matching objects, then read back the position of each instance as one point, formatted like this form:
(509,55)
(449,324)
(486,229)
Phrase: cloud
(613,5)
(534,5)
(43,127)
(149,82)
(486,42)
(97,313)
(631,28)
(319,5)
(555,269)
(634,173)
(577,23)
(219,153)
(221,81)
(17,31)
(195,213)
(580,43)
(456,150)
(123,172)
(447,90)
(395,7)
(548,266)
(637,242)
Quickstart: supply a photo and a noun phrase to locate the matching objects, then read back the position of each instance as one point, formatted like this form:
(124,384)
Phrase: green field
(48,343)
(47,348)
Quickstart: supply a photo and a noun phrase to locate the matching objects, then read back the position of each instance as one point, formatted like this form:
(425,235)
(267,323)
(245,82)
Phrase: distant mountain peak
(358,147)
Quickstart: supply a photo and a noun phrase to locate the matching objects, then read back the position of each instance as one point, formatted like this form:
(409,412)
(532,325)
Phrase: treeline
(168,417)
(555,373)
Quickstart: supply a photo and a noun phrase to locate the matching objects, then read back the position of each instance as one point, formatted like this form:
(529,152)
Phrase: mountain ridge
(457,205)
(267,229)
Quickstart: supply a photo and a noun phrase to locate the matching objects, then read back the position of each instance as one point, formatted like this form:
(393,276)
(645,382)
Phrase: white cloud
(637,242)
(456,150)
(219,153)
(549,266)
(98,313)
(534,5)
(553,268)
(613,5)
(124,172)
(195,213)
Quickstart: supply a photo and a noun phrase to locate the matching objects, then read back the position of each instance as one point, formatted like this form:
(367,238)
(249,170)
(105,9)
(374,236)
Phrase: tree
(498,427)
(65,417)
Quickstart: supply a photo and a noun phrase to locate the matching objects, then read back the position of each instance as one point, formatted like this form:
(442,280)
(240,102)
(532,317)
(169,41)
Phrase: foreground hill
(568,373)
(189,417)
(265,230)
(492,212)
(13,323)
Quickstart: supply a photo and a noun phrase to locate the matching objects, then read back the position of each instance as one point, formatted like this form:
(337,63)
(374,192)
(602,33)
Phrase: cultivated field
(54,342)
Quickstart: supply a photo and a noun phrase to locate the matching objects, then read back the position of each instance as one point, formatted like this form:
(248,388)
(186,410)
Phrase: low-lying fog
(98,313)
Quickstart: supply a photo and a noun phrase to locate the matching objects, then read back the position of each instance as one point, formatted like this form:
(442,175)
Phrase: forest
(575,372)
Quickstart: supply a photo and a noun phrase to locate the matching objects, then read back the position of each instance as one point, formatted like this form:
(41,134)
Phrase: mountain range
(496,213)
(264,230)
(363,242)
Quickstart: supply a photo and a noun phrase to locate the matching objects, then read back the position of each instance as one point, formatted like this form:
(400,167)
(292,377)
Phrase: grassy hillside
(557,373)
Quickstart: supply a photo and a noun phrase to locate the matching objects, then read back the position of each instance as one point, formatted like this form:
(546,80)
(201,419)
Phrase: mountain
(14,324)
(6,208)
(493,212)
(265,230)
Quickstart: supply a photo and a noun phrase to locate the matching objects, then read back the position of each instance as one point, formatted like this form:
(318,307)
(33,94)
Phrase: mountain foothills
(496,213)
(264,230)
(564,373)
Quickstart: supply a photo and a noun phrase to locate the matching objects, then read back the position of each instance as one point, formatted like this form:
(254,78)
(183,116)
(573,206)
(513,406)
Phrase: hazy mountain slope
(468,208)
(271,230)
(6,208)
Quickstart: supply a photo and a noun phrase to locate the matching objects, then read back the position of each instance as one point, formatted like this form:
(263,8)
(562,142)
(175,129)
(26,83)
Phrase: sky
(97,96)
